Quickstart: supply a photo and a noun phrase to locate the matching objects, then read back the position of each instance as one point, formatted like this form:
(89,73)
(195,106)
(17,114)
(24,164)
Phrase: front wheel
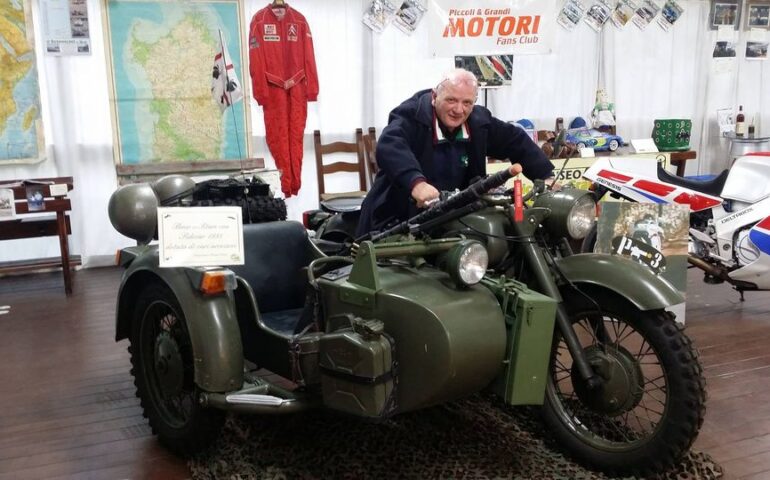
(648,411)
(613,145)
(164,374)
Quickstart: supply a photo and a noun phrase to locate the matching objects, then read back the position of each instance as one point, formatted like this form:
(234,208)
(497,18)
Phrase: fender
(628,279)
(211,320)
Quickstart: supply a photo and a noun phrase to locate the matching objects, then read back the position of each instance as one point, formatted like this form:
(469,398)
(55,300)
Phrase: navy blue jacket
(405,153)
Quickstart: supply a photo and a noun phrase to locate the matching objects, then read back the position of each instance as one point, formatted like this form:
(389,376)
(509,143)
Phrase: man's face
(454,104)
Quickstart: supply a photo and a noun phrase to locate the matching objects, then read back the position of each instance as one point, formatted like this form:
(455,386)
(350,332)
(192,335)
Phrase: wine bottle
(740,123)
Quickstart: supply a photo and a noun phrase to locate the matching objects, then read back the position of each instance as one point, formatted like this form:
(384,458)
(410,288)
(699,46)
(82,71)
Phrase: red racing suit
(284,79)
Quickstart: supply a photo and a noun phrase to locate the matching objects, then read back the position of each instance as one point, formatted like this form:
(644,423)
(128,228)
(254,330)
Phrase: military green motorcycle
(624,390)
(409,321)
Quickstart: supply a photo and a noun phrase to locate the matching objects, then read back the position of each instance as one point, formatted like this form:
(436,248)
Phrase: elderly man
(438,140)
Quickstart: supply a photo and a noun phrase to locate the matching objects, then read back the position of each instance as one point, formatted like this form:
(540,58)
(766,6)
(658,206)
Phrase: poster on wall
(623,12)
(758,14)
(491,71)
(489,27)
(7,204)
(21,128)
(669,15)
(756,50)
(645,13)
(570,14)
(725,13)
(161,56)
(597,15)
(65,27)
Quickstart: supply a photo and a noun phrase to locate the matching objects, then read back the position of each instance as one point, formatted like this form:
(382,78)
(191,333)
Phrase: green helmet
(133,211)
(172,188)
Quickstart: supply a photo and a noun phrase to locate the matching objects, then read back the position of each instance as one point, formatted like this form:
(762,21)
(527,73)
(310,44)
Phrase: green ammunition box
(529,318)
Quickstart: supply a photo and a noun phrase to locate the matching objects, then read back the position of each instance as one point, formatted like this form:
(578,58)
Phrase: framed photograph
(757,14)
(756,50)
(491,71)
(725,13)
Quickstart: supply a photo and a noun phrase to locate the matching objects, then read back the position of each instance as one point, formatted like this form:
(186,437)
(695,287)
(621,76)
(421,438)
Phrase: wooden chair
(370,147)
(323,169)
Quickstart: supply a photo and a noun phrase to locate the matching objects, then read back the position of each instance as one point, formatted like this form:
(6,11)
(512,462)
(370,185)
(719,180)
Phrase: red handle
(518,203)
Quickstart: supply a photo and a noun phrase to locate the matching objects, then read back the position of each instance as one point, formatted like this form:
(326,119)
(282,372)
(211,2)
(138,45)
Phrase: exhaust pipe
(710,269)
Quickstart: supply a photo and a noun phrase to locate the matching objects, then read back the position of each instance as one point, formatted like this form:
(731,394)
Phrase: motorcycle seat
(342,204)
(711,187)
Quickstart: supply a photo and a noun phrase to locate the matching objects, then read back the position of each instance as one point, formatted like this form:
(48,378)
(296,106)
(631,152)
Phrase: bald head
(454,97)
(458,77)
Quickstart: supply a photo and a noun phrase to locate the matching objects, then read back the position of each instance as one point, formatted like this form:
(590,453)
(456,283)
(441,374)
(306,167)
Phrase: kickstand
(741,292)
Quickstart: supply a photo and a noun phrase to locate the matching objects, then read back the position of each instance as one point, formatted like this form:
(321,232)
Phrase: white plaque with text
(200,236)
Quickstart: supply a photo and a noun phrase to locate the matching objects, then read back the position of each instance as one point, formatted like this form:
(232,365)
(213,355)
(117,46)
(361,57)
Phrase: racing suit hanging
(284,79)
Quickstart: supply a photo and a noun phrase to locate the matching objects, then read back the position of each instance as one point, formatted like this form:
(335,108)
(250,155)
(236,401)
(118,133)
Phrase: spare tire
(253,196)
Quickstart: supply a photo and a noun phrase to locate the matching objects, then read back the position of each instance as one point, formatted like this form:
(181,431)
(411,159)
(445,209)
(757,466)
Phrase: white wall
(650,74)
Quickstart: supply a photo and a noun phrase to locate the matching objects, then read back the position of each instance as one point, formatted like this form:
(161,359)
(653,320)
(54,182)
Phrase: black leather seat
(276,253)
(709,187)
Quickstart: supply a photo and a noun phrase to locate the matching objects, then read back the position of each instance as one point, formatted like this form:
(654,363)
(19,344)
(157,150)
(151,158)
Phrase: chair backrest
(370,147)
(323,169)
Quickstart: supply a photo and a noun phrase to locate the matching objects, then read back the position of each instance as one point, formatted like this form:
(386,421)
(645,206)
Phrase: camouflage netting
(473,438)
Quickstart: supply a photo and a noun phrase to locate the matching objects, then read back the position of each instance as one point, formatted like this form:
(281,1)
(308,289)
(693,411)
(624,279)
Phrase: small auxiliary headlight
(467,262)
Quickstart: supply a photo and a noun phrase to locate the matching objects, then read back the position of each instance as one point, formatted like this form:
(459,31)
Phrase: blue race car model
(590,137)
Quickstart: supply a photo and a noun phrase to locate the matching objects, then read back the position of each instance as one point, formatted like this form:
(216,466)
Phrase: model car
(590,137)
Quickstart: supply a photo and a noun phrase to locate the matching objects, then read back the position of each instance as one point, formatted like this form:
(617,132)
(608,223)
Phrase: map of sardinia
(21,135)
(162,57)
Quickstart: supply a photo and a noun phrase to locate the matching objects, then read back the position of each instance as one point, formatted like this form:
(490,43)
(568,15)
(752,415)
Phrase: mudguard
(211,320)
(635,282)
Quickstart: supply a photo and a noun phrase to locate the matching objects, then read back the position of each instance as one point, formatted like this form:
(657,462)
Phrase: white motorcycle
(729,215)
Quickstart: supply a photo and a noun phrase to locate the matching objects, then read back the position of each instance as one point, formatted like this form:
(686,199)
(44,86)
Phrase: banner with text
(475,27)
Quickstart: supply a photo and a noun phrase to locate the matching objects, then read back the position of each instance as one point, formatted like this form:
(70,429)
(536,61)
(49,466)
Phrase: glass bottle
(751,128)
(740,123)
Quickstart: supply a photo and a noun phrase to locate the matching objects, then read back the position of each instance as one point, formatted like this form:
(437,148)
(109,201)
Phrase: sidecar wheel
(164,371)
(649,411)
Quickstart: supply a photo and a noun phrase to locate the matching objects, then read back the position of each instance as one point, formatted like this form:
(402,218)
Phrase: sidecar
(372,335)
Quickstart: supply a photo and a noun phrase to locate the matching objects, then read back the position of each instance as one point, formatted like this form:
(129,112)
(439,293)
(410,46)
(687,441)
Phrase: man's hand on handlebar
(424,194)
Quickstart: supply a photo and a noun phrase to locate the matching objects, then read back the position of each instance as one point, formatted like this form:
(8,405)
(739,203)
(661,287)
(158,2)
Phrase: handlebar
(466,197)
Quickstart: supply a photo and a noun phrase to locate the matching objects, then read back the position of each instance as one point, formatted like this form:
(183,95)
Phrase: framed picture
(757,14)
(491,71)
(725,13)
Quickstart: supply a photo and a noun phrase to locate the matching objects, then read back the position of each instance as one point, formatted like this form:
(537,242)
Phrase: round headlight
(572,212)
(582,217)
(467,262)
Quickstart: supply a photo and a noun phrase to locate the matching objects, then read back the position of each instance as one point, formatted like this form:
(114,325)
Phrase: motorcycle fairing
(758,271)
(637,179)
(749,179)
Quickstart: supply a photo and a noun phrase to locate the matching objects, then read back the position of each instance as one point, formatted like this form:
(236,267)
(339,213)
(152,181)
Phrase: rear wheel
(648,411)
(613,145)
(164,374)
(580,146)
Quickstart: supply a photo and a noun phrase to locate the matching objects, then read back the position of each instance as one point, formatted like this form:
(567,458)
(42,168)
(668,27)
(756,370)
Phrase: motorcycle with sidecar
(459,299)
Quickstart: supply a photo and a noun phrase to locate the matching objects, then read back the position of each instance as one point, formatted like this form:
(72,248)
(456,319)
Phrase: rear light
(306,219)
(117,257)
(216,281)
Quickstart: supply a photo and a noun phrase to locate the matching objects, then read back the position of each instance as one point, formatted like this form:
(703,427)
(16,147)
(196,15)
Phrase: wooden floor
(68,410)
